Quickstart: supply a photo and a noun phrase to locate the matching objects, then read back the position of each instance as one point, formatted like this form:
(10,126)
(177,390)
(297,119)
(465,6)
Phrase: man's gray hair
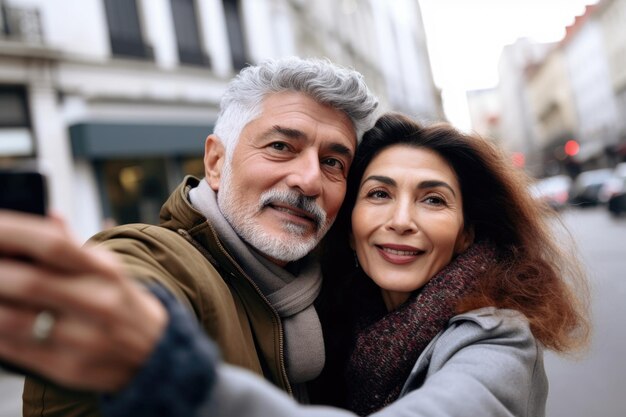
(325,82)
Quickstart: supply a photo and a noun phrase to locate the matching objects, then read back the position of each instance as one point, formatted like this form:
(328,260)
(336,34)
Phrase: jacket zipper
(281,336)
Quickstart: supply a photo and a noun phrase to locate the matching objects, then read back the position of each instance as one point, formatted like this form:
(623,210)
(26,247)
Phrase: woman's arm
(485,364)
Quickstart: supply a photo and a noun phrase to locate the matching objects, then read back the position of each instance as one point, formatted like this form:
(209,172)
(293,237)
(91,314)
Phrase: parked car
(614,184)
(586,187)
(617,201)
(553,191)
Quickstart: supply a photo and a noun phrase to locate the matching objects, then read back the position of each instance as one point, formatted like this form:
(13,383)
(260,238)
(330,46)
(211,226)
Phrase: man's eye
(333,163)
(278,146)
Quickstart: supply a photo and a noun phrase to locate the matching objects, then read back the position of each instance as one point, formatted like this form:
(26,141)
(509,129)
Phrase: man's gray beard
(241,219)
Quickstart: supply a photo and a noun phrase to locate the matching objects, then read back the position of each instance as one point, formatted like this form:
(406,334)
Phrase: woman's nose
(402,218)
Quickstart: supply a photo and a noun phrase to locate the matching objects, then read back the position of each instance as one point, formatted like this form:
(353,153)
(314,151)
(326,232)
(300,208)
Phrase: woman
(444,226)
(457,287)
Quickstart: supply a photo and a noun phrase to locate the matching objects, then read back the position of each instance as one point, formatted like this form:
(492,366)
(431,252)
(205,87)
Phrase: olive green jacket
(185,255)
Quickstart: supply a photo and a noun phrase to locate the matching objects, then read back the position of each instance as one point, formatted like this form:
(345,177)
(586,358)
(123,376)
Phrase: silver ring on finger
(43,326)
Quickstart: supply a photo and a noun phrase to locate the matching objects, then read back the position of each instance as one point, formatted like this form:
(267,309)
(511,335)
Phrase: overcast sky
(465,38)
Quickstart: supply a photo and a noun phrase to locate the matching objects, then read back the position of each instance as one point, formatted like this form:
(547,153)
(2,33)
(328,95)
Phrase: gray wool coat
(485,363)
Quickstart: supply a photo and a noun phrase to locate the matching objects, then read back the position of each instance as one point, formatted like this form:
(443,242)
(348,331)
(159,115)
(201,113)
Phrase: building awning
(120,140)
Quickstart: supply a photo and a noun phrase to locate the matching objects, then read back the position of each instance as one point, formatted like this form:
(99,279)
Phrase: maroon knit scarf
(386,350)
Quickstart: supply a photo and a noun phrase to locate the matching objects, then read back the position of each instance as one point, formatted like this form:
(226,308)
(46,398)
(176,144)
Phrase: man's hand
(104,325)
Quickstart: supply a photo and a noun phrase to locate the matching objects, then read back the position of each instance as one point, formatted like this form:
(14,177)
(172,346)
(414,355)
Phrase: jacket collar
(177,212)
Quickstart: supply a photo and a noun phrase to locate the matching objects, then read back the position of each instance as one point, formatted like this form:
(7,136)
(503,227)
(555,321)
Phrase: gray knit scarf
(291,294)
(386,348)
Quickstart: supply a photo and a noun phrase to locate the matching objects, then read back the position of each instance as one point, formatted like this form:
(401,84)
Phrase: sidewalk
(10,395)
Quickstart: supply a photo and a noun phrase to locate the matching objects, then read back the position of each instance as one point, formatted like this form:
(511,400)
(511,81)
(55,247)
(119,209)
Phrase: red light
(518,159)
(571,148)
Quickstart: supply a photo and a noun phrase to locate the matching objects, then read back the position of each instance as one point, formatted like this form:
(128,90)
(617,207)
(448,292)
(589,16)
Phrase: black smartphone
(23,190)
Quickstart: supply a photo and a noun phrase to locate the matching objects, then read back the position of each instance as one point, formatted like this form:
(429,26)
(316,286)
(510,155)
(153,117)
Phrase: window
(134,189)
(125,30)
(235,33)
(21,24)
(15,132)
(187,33)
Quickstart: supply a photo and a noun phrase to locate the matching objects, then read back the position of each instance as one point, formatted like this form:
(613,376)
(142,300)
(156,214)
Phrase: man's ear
(465,240)
(214,155)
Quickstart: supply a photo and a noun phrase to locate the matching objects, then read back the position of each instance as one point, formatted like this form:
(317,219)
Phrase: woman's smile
(398,254)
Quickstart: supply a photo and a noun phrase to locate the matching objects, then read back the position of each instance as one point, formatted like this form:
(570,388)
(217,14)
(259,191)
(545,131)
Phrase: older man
(233,247)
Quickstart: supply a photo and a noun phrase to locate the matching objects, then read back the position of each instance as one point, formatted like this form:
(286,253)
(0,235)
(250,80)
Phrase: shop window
(193,166)
(135,189)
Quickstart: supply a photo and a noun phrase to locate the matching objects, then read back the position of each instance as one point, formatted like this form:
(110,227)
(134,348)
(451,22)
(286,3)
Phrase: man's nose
(403,218)
(306,174)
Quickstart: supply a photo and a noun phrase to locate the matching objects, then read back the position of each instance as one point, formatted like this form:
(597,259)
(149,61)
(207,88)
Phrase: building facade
(589,74)
(114,98)
(612,17)
(485,112)
(552,106)
(518,134)
(573,90)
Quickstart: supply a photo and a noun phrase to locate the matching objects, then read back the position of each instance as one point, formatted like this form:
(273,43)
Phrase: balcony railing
(20,24)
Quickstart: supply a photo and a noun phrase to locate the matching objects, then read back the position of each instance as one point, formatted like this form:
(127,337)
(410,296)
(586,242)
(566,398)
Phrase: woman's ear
(213,161)
(465,240)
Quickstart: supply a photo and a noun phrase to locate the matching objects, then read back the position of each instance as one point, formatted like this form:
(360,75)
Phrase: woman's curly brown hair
(537,274)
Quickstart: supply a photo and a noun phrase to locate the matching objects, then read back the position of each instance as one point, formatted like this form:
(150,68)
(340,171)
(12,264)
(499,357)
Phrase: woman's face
(407,221)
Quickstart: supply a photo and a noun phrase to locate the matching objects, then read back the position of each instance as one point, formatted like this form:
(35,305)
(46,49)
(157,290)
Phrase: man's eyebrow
(341,150)
(299,135)
(286,131)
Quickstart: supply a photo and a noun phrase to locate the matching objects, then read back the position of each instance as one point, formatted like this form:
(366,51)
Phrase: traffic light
(571,147)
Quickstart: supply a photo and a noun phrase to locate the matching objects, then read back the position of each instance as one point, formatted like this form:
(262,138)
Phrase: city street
(596,384)
(591,386)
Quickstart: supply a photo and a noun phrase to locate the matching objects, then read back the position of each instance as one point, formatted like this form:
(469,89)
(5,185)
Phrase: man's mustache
(296,200)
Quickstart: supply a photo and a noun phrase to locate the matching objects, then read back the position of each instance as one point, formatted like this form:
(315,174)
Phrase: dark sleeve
(179,375)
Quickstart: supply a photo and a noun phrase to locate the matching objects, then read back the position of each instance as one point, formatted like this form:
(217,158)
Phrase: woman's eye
(378,194)
(435,200)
